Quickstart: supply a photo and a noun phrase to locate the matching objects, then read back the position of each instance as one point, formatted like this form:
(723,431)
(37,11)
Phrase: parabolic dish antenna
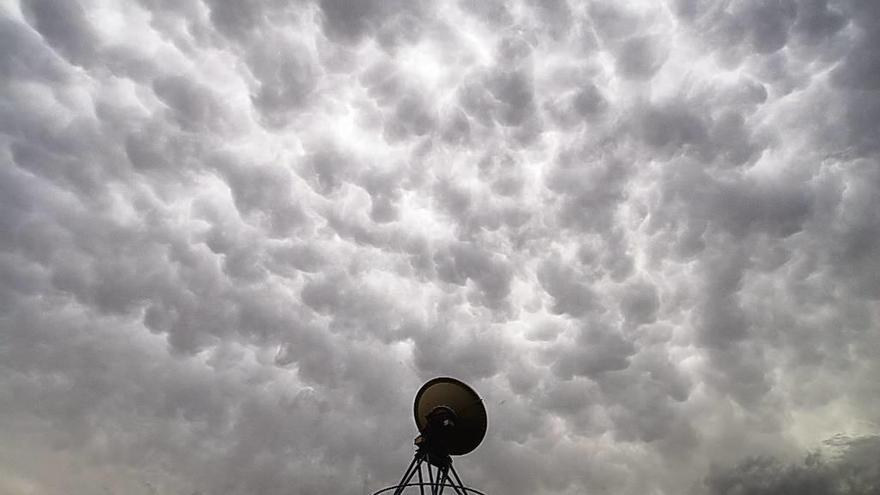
(465,410)
(451,419)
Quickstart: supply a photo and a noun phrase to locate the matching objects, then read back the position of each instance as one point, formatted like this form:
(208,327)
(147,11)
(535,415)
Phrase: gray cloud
(850,470)
(65,27)
(286,74)
(235,237)
(640,57)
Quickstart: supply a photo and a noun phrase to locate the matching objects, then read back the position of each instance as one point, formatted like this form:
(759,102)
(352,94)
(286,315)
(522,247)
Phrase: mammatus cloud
(235,237)
(852,469)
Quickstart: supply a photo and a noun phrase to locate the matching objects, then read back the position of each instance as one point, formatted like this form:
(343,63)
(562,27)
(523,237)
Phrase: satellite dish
(450,415)
(451,419)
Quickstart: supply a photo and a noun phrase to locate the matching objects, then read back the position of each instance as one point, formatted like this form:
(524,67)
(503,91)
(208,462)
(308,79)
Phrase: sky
(237,236)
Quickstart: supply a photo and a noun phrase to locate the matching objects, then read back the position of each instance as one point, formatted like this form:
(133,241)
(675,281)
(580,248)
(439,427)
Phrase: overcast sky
(237,236)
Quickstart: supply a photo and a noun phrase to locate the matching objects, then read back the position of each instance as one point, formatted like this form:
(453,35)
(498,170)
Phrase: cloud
(236,237)
(850,470)
(65,27)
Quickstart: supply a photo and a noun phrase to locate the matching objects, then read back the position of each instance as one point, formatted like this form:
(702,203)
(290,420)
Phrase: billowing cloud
(235,238)
(850,469)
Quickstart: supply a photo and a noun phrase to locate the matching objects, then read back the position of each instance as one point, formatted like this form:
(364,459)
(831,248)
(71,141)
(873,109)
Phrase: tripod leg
(414,466)
(442,475)
(431,480)
(422,481)
(460,489)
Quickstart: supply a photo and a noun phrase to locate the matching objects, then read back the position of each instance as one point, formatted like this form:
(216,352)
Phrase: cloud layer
(235,238)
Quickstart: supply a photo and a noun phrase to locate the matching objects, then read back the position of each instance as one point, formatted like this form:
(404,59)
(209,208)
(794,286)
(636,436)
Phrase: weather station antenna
(451,419)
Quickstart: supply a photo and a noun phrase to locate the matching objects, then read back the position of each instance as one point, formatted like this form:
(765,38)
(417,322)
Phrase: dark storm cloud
(464,261)
(576,106)
(412,116)
(456,127)
(640,57)
(570,294)
(639,303)
(505,97)
(350,21)
(24,55)
(235,237)
(590,185)
(65,27)
(850,469)
(596,351)
(236,18)
(192,104)
(286,74)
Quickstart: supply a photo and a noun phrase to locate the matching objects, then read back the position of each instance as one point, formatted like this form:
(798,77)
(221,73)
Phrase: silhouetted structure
(451,419)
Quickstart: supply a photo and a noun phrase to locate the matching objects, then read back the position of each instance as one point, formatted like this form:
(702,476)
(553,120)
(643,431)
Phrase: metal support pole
(441,473)
(463,489)
(421,481)
(414,466)
(431,480)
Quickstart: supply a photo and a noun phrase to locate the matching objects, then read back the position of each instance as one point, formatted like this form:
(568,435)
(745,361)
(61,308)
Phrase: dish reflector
(467,426)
